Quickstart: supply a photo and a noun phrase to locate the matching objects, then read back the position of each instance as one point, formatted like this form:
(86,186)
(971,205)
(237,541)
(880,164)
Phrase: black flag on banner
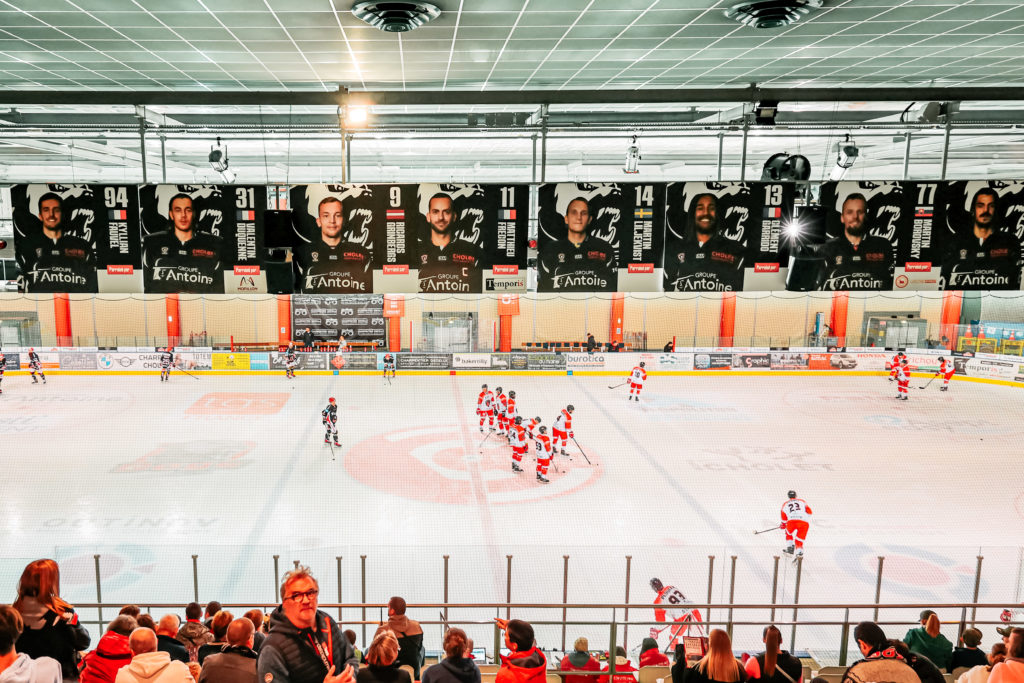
(203,238)
(726,236)
(77,238)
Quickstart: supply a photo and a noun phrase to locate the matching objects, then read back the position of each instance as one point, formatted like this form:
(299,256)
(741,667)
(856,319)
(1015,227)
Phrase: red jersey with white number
(484,401)
(499,404)
(795,508)
(563,423)
(638,375)
(946,367)
(510,408)
(543,446)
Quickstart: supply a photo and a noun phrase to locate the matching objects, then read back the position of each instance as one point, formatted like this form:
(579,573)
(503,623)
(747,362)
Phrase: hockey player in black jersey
(579,262)
(330,264)
(447,263)
(330,420)
(389,365)
(3,367)
(52,260)
(856,260)
(291,359)
(181,259)
(166,362)
(35,365)
(706,260)
(986,256)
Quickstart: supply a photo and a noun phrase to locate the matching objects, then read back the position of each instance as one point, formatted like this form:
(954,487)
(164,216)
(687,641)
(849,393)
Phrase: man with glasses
(305,645)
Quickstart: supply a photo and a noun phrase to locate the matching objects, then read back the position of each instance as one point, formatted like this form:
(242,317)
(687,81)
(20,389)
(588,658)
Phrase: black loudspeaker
(279,277)
(277,229)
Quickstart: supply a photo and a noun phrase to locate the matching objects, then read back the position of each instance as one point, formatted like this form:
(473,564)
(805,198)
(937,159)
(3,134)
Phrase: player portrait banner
(602,237)
(356,317)
(204,239)
(725,237)
(77,238)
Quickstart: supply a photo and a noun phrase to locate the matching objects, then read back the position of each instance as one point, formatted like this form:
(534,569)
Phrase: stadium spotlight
(632,158)
(219,157)
(356,116)
(793,229)
(846,155)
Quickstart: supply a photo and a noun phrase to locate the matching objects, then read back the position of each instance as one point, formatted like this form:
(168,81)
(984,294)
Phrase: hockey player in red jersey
(544,452)
(946,369)
(510,413)
(636,381)
(562,429)
(795,512)
(531,428)
(895,365)
(517,438)
(678,619)
(499,410)
(485,407)
(902,380)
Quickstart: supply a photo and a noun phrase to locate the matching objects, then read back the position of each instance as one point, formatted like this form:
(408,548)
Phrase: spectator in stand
(979,674)
(469,649)
(580,659)
(212,608)
(382,661)
(774,665)
(342,344)
(307,340)
(650,655)
(922,666)
(18,667)
(456,667)
(881,662)
(970,655)
(50,625)
(256,617)
(670,347)
(718,664)
(525,663)
(678,670)
(623,668)
(928,641)
(221,621)
(1004,633)
(131,610)
(408,632)
(591,343)
(166,631)
(146,621)
(236,663)
(192,633)
(304,644)
(351,635)
(111,653)
(149,665)
(1011,669)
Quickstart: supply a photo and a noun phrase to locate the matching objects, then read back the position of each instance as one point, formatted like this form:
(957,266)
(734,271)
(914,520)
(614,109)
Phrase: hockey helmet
(519,420)
(483,386)
(31,350)
(642,364)
(791,494)
(498,390)
(542,429)
(536,419)
(901,354)
(903,362)
(570,408)
(511,394)
(656,584)
(941,359)
(331,400)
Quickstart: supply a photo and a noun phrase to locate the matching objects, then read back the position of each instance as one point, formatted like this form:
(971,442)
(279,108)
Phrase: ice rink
(233,469)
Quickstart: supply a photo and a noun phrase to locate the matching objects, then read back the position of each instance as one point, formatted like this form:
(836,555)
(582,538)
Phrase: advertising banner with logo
(790,361)
(305,361)
(14,360)
(112,360)
(726,237)
(259,361)
(544,361)
(985,367)
(675,361)
(195,235)
(752,361)
(493,361)
(712,361)
(585,361)
(357,317)
(423,361)
(193,360)
(357,361)
(77,238)
(518,361)
(77,360)
(600,237)
(231,361)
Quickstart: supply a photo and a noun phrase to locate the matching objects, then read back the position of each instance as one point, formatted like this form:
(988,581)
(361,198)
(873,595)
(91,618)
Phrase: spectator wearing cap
(456,667)
(623,668)
(927,640)
(1011,669)
(580,659)
(18,667)
(408,632)
(650,655)
(524,663)
(979,674)
(970,655)
(1004,632)
(881,661)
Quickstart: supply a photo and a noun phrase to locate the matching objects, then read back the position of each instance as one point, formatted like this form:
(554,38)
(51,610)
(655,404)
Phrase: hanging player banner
(205,239)
(77,238)
(472,238)
(357,317)
(978,230)
(602,237)
(726,237)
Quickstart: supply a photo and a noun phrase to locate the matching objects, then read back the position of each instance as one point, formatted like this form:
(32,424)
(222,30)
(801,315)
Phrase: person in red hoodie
(579,659)
(111,653)
(650,655)
(525,663)
(623,668)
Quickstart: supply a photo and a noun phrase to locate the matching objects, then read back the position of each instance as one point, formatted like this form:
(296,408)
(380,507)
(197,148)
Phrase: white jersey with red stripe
(902,373)
(499,404)
(795,508)
(543,442)
(510,409)
(637,375)
(563,423)
(530,427)
(676,612)
(946,367)
(485,401)
(517,438)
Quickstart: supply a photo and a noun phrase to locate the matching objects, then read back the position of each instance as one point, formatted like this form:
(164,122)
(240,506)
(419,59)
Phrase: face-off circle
(442,465)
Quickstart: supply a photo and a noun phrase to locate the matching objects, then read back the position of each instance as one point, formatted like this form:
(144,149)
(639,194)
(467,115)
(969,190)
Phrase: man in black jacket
(166,638)
(882,661)
(236,662)
(305,645)
(409,634)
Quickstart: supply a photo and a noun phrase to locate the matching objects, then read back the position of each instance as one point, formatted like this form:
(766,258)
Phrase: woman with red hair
(719,665)
(51,625)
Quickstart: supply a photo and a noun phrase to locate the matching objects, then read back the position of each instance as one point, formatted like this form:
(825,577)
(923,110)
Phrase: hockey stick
(187,373)
(581,451)
(928,382)
(332,450)
(616,386)
(485,440)
(774,528)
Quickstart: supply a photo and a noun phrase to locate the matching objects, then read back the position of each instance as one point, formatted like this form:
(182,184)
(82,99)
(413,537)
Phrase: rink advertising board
(14,360)
(491,361)
(230,361)
(357,317)
(752,361)
(619,229)
(205,239)
(722,237)
(75,360)
(194,360)
(357,361)
(423,361)
(790,361)
(675,361)
(77,238)
(127,361)
(545,361)
(304,361)
(712,361)
(518,361)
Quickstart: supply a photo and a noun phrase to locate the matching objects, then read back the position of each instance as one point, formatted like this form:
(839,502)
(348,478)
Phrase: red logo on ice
(640,268)
(222,403)
(444,464)
(766,267)
(918,267)
(120,270)
(247,270)
(396,270)
(506,270)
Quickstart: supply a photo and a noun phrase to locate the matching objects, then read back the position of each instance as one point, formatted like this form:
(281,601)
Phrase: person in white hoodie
(150,665)
(20,668)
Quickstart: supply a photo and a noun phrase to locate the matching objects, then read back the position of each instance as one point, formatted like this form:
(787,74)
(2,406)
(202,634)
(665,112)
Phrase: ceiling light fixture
(219,161)
(771,13)
(632,158)
(847,153)
(396,17)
